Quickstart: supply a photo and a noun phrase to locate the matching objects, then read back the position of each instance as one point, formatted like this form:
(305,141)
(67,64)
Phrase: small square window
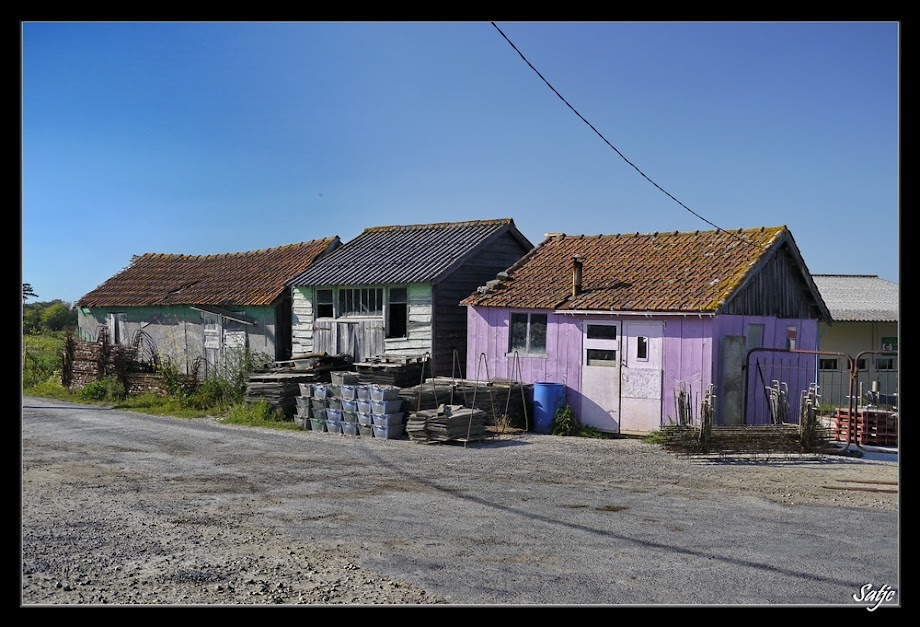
(828,364)
(324,308)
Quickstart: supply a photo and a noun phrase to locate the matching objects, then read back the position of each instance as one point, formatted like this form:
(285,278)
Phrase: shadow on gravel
(651,544)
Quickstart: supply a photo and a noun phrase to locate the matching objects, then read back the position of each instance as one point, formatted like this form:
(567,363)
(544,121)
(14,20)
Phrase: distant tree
(31,321)
(27,291)
(56,317)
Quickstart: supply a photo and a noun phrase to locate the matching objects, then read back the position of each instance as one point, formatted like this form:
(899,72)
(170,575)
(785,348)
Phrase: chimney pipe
(577,263)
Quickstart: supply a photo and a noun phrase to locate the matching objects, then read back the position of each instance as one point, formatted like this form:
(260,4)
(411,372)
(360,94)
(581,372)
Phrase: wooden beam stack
(447,423)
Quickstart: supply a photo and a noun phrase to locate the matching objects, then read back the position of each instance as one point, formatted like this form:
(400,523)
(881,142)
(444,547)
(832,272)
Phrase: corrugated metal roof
(662,272)
(859,297)
(248,278)
(419,253)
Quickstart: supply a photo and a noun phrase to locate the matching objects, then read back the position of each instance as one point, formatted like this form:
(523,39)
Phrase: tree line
(45,316)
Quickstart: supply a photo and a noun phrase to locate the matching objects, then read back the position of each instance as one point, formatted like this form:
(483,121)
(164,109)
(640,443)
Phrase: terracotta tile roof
(247,278)
(418,253)
(663,272)
(859,297)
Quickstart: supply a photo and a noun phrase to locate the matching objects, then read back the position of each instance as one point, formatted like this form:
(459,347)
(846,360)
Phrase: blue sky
(206,138)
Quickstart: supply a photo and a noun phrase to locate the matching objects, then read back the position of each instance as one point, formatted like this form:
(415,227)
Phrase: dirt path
(122,508)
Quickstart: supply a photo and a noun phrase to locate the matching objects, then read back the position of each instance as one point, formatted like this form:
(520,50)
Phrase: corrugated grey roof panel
(859,297)
(389,255)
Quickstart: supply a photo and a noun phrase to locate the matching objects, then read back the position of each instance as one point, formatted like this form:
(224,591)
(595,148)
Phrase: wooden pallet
(870,427)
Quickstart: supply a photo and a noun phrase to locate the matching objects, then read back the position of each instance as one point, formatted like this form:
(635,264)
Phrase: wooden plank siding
(450,318)
(302,320)
(777,289)
(334,336)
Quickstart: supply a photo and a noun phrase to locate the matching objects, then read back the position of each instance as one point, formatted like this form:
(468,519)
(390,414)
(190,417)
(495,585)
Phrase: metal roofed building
(865,313)
(396,290)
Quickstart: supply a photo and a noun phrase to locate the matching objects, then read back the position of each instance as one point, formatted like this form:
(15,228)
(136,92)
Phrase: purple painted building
(642,330)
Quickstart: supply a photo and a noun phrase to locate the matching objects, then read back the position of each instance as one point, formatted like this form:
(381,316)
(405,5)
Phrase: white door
(642,377)
(600,375)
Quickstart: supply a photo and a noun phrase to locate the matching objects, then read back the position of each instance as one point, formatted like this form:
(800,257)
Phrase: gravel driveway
(125,508)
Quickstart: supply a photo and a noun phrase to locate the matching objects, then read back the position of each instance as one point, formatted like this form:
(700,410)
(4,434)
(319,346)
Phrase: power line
(622,156)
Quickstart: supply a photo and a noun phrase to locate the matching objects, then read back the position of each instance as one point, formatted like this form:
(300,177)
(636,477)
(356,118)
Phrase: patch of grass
(50,388)
(259,414)
(655,437)
(42,358)
(156,405)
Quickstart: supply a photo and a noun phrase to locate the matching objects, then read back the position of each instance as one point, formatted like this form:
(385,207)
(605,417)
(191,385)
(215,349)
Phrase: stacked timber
(391,370)
(447,423)
(496,399)
(280,389)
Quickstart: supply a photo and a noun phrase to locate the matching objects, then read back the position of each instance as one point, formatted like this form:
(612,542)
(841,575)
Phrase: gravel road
(123,508)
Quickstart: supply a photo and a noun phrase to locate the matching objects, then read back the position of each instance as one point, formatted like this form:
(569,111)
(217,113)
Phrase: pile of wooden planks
(447,423)
(280,389)
(398,371)
(495,400)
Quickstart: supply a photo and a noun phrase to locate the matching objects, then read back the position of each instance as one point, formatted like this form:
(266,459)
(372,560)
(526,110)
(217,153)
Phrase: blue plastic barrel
(547,398)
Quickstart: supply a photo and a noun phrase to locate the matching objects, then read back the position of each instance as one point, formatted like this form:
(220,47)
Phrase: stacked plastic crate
(333,408)
(318,406)
(304,409)
(349,399)
(386,417)
(363,410)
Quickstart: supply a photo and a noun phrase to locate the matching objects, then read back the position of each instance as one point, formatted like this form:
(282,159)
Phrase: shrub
(174,382)
(50,388)
(214,392)
(565,422)
(258,414)
(106,389)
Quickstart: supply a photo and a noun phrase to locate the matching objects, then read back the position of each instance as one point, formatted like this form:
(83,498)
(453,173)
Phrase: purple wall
(687,361)
(487,334)
(690,360)
(798,371)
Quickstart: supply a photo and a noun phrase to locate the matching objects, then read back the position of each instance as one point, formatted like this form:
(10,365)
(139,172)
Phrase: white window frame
(527,351)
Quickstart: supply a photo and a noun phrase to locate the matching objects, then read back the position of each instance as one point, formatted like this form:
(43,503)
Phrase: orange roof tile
(247,278)
(674,272)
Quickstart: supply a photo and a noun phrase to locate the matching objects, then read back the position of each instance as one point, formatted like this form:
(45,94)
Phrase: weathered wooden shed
(396,290)
(629,324)
(200,310)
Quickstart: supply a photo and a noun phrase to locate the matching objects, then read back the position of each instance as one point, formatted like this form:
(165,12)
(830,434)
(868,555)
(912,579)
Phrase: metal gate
(855,396)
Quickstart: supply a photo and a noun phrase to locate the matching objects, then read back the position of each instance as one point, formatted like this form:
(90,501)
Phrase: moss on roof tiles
(662,271)
(248,278)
